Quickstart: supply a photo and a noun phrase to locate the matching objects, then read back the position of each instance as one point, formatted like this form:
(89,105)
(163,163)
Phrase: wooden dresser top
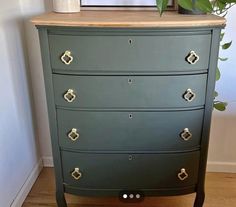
(132,19)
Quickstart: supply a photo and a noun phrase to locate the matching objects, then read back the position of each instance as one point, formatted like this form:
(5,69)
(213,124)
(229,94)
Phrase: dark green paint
(145,131)
(117,92)
(114,192)
(155,61)
(116,53)
(117,171)
(43,36)
(207,117)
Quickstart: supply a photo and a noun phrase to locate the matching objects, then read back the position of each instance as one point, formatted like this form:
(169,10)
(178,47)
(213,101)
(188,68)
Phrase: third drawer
(130,131)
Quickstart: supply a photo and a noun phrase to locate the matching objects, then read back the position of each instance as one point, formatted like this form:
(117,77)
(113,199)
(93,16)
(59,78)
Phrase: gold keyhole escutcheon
(70,95)
(192,58)
(186,134)
(183,175)
(73,134)
(76,174)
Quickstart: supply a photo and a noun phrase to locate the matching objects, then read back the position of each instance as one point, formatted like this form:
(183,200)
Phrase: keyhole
(130,116)
(130,41)
(130,157)
(130,81)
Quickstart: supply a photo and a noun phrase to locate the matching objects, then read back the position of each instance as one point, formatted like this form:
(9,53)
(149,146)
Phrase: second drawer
(130,91)
(130,131)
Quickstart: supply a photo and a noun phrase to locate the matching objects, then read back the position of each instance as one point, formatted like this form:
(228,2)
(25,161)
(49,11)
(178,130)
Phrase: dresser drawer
(115,53)
(130,171)
(130,131)
(130,92)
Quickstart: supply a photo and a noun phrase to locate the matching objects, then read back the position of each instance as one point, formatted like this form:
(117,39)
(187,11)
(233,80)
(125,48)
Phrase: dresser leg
(199,200)
(60,197)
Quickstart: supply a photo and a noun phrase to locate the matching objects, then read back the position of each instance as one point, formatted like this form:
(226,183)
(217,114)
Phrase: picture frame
(120,5)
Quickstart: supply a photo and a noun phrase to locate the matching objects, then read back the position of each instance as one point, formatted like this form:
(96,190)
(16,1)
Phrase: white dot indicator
(125,196)
(138,196)
(131,196)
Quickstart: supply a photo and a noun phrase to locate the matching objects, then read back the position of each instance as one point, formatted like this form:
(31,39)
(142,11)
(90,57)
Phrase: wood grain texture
(130,19)
(220,191)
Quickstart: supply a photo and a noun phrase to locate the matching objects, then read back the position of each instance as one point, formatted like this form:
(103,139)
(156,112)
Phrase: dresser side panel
(214,53)
(43,36)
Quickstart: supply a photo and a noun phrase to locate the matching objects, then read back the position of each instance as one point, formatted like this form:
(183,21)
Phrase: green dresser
(129,105)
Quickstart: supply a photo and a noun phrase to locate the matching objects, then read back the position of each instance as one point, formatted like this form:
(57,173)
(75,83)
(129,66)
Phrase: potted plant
(199,6)
(196,7)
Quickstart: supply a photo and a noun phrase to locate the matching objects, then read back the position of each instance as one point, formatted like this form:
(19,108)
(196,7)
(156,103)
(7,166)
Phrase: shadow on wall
(23,50)
(18,68)
(22,55)
(18,143)
(36,72)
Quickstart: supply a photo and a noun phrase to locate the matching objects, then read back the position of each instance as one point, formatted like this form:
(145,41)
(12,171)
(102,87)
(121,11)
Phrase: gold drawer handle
(189,95)
(186,134)
(76,174)
(67,58)
(73,134)
(192,58)
(183,175)
(70,96)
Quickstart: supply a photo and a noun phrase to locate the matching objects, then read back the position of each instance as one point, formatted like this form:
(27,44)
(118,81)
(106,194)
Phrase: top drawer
(130,53)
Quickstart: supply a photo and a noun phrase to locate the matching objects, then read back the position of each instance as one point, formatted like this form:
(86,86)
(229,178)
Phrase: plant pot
(195,11)
(66,6)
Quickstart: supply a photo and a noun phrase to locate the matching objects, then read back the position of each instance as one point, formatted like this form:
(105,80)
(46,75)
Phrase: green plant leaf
(162,5)
(220,4)
(204,5)
(229,1)
(186,4)
(226,45)
(223,59)
(215,94)
(220,106)
(218,74)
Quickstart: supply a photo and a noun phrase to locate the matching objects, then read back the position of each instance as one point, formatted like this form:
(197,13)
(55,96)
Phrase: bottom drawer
(130,171)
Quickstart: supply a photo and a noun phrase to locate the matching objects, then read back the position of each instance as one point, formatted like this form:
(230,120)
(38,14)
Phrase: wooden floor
(220,192)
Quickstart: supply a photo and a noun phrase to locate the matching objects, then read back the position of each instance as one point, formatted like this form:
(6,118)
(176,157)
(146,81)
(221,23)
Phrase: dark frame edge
(200,190)
(44,45)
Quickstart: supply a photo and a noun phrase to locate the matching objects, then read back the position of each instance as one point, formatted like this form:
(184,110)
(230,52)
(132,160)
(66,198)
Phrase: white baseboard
(24,191)
(47,161)
(227,167)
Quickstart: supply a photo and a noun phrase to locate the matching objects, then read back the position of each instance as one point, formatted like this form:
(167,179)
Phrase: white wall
(33,8)
(222,153)
(19,156)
